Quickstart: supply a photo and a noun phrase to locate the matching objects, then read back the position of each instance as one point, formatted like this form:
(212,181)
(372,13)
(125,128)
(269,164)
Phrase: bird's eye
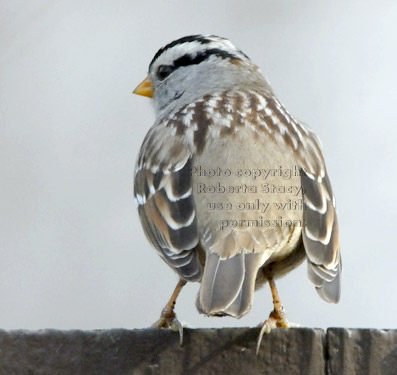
(164,71)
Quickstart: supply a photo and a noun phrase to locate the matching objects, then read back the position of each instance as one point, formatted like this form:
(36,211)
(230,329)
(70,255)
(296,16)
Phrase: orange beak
(145,88)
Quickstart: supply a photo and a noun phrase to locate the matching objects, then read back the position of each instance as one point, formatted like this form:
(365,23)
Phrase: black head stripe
(187,59)
(191,38)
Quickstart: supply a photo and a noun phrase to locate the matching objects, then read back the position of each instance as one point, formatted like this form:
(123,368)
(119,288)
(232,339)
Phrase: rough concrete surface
(362,351)
(204,351)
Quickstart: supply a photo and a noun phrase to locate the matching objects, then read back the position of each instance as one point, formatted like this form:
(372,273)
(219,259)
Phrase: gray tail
(228,285)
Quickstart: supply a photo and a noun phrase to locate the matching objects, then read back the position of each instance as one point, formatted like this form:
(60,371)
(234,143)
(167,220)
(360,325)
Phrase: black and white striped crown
(195,49)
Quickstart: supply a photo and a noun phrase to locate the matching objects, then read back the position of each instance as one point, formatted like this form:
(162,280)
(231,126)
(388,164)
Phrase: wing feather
(163,191)
(321,232)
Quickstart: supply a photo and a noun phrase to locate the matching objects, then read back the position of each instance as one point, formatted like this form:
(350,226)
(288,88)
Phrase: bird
(232,191)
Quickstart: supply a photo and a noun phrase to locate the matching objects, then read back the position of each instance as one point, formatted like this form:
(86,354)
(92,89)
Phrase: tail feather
(242,304)
(218,289)
(228,285)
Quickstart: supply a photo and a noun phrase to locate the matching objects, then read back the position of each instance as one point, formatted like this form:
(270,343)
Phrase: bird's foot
(277,318)
(168,319)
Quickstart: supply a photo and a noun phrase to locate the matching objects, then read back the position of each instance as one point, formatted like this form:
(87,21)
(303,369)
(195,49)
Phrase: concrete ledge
(361,351)
(204,351)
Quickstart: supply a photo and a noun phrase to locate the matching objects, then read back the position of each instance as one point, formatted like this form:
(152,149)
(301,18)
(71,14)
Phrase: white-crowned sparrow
(232,191)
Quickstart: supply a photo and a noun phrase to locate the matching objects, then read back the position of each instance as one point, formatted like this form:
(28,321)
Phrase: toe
(177,326)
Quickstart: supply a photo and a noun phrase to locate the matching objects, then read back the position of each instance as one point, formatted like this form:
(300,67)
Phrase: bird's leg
(168,317)
(277,317)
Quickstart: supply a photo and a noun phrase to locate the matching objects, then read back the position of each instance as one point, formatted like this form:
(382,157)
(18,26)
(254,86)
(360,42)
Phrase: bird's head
(195,65)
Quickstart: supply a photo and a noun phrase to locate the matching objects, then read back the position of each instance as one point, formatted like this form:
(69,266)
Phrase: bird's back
(248,200)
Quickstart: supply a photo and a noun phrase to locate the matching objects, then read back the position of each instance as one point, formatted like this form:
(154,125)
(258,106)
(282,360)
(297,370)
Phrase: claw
(168,317)
(265,329)
(170,321)
(177,326)
(277,318)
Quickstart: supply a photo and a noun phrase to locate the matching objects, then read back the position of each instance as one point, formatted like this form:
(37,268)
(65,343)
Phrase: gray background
(72,251)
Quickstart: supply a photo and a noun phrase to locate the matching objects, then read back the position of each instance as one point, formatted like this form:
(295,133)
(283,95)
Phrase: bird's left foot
(168,319)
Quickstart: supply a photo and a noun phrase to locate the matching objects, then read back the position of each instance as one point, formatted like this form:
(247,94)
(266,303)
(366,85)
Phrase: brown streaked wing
(163,191)
(321,234)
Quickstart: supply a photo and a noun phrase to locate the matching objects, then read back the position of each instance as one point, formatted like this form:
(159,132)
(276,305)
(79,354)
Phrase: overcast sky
(72,251)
